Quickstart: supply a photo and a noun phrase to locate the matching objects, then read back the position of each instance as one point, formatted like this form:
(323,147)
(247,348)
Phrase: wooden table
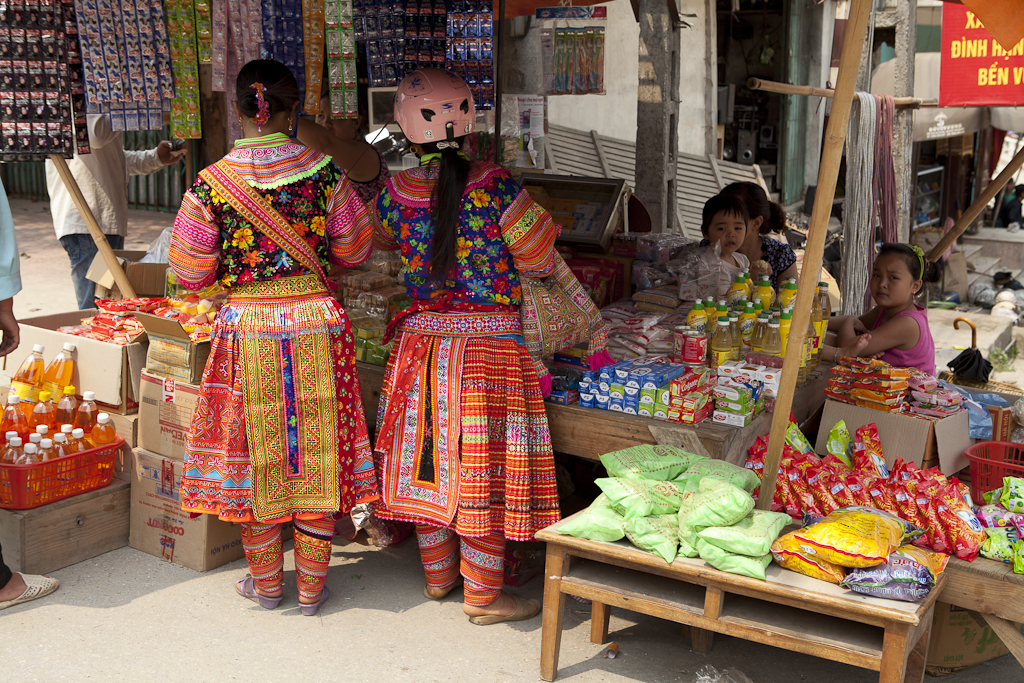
(788,611)
(590,432)
(992,593)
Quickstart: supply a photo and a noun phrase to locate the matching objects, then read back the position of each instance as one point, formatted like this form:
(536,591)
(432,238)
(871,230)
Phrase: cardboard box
(171,352)
(959,642)
(126,426)
(165,415)
(911,438)
(147,279)
(160,528)
(111,371)
(732,419)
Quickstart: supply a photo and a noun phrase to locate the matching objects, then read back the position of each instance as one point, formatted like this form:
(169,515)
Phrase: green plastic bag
(999,542)
(718,469)
(658,534)
(687,540)
(744,565)
(753,535)
(642,497)
(718,503)
(992,497)
(1018,557)
(599,522)
(1013,494)
(796,439)
(839,443)
(661,463)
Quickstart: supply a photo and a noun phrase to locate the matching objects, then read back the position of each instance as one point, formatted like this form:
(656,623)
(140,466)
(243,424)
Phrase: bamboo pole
(975,209)
(810,91)
(127,291)
(831,157)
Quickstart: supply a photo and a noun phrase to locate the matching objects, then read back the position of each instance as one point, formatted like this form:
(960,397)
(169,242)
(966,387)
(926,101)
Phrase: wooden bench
(789,611)
(993,594)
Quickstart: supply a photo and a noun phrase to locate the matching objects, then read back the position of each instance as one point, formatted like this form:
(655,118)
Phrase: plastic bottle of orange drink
(103,433)
(27,381)
(43,414)
(59,372)
(60,445)
(46,451)
(6,448)
(87,412)
(77,441)
(14,452)
(14,419)
(67,406)
(30,456)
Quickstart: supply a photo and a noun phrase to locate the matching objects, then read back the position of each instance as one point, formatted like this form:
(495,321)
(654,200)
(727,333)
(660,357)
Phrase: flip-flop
(247,589)
(457,584)
(37,586)
(311,609)
(525,609)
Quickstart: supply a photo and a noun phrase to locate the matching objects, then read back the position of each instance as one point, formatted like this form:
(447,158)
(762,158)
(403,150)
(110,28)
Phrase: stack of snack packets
(739,392)
(927,397)
(869,383)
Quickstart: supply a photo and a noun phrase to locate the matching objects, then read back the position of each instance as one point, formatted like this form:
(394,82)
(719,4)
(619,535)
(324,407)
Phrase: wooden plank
(986,586)
(1007,632)
(600,614)
(554,608)
(713,163)
(917,662)
(895,650)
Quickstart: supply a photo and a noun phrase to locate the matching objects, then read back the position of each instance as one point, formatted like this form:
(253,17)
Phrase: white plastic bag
(159,249)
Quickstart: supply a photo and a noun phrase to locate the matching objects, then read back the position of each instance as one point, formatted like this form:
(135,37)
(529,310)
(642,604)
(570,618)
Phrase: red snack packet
(826,502)
(925,495)
(867,451)
(965,532)
(907,506)
(802,492)
(835,481)
(859,491)
(835,463)
(965,492)
(784,497)
(883,497)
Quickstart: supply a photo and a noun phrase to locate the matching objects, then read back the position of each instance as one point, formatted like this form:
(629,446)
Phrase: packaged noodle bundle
(1012,496)
(658,534)
(856,537)
(793,555)
(839,444)
(798,485)
(660,463)
(867,450)
(687,540)
(999,544)
(753,535)
(744,565)
(642,497)
(908,574)
(874,367)
(723,471)
(822,494)
(718,503)
(966,535)
(599,522)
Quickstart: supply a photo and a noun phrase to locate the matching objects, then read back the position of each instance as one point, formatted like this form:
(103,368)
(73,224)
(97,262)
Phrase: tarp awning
(1003,19)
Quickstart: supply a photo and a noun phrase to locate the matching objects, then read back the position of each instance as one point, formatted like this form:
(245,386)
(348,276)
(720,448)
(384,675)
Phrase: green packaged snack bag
(718,469)
(1018,557)
(599,522)
(999,543)
(753,535)
(687,540)
(658,534)
(992,497)
(796,439)
(718,503)
(839,443)
(641,497)
(1012,497)
(660,463)
(743,565)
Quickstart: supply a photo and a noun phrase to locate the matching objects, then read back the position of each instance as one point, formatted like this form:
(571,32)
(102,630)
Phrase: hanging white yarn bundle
(858,212)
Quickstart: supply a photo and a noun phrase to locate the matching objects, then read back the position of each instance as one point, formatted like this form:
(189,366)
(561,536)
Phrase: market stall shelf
(992,590)
(788,611)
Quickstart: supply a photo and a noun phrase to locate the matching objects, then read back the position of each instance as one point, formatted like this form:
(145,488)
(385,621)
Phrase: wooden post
(127,291)
(831,157)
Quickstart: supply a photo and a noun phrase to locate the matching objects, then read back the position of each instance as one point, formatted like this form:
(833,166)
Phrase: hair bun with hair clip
(262,108)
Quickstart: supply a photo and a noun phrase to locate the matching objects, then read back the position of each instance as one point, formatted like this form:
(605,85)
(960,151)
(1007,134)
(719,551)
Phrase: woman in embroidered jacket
(463,445)
(278,433)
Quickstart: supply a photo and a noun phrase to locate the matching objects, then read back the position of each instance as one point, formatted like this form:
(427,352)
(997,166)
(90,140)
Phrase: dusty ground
(128,616)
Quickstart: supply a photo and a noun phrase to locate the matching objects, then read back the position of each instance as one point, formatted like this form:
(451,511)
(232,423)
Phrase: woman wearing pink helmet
(463,442)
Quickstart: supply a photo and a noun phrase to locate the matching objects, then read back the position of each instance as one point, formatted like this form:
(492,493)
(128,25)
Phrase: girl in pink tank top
(896,329)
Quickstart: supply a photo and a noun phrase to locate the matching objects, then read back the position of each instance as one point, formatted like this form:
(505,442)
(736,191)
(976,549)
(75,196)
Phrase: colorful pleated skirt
(278,431)
(463,439)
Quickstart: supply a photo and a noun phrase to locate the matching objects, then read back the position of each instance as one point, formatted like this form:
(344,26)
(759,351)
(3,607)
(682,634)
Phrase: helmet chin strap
(450,142)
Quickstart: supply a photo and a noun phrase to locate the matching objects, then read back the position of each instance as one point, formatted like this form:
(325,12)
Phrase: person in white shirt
(103,178)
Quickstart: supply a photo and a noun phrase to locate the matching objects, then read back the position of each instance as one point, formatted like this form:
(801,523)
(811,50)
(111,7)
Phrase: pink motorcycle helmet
(434,105)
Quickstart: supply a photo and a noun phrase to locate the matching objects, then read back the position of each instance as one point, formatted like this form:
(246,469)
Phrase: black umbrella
(970,364)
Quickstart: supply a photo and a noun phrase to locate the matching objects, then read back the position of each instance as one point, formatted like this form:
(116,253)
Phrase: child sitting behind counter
(724,222)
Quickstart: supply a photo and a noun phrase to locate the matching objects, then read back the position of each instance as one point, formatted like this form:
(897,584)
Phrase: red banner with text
(976,70)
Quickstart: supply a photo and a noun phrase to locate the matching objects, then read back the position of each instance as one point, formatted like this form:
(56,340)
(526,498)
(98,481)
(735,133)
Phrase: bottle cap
(30,448)
(42,429)
(102,419)
(46,443)
(739,278)
(38,348)
(69,346)
(67,429)
(13,400)
(698,306)
(35,437)
(69,390)
(10,435)
(823,284)
(723,322)
(88,396)
(15,441)
(44,396)
(60,438)
(79,433)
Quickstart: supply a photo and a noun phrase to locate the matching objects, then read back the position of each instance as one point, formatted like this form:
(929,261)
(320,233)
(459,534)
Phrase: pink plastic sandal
(247,589)
(311,609)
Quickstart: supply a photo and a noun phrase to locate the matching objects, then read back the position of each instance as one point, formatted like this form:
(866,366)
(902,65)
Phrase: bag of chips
(935,536)
(858,490)
(999,544)
(718,503)
(1018,557)
(996,516)
(658,534)
(966,535)
(856,537)
(660,463)
(908,574)
(992,497)
(599,522)
(641,497)
(744,565)
(867,451)
(753,535)
(796,439)
(882,497)
(1012,496)
(723,471)
(793,555)
(802,492)
(839,444)
(906,503)
(822,494)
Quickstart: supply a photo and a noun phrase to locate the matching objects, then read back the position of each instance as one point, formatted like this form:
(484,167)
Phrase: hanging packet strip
(204,31)
(163,49)
(218,45)
(313,45)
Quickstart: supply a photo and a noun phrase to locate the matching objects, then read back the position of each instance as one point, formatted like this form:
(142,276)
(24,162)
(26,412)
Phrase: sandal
(247,589)
(525,609)
(37,586)
(428,596)
(311,609)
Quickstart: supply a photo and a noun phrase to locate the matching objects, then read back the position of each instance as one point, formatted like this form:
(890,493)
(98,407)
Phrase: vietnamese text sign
(976,70)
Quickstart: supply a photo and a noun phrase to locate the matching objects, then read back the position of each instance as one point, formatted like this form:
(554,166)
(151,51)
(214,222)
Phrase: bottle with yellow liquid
(5,458)
(737,338)
(59,372)
(697,318)
(748,319)
(737,290)
(772,344)
(29,379)
(103,433)
(721,345)
(721,311)
(764,292)
(806,355)
(816,330)
(760,327)
(784,324)
(77,442)
(13,452)
(43,414)
(60,445)
(788,295)
(750,282)
(826,313)
(29,456)
(67,406)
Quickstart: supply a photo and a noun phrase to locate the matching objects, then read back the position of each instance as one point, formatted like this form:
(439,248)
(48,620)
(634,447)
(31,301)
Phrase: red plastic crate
(990,462)
(27,486)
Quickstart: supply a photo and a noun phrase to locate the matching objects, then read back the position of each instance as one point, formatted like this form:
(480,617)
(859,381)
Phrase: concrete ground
(128,616)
